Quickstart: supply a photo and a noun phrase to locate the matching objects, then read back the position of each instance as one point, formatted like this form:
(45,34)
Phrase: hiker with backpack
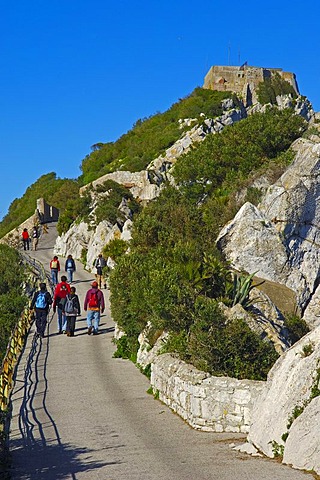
(94,304)
(71,308)
(70,267)
(41,304)
(60,293)
(55,269)
(99,264)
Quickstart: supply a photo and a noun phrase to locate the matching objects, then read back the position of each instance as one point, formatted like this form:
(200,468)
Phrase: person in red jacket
(55,268)
(25,239)
(60,293)
(94,303)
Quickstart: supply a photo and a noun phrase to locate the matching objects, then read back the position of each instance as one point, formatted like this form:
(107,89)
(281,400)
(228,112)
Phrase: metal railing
(14,349)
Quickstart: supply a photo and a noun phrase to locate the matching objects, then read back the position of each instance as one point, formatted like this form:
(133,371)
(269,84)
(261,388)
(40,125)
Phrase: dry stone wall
(207,403)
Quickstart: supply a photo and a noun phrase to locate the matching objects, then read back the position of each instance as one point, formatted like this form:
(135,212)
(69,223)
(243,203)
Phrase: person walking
(71,308)
(94,304)
(35,237)
(99,264)
(41,304)
(54,268)
(60,293)
(70,268)
(25,239)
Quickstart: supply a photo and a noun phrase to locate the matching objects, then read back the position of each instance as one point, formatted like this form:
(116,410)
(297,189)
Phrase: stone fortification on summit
(244,80)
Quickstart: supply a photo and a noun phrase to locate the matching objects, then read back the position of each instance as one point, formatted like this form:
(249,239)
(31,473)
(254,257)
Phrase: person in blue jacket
(41,303)
(70,267)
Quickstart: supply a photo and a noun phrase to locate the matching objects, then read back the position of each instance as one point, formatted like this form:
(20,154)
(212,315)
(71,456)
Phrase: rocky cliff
(280,238)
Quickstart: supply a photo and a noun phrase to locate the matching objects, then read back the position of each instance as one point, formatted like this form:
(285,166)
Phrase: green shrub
(268,90)
(12,298)
(227,348)
(236,152)
(115,249)
(77,208)
(127,348)
(296,326)
(108,205)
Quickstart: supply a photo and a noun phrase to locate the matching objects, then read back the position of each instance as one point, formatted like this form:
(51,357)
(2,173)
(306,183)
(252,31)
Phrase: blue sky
(77,72)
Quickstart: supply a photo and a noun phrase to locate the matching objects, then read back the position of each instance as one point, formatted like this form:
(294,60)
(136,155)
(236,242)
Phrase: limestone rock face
(302,446)
(79,237)
(147,353)
(103,234)
(73,241)
(280,238)
(289,386)
(138,183)
(247,241)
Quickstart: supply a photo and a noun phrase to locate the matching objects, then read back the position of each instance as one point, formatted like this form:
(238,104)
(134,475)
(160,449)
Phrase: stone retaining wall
(213,404)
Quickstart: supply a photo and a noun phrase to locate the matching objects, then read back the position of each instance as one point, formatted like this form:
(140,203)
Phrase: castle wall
(243,80)
(47,213)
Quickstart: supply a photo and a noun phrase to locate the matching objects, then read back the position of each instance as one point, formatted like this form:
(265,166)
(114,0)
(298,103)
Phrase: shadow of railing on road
(33,455)
(54,462)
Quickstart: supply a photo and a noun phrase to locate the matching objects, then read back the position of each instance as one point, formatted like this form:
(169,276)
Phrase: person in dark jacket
(71,308)
(94,303)
(70,267)
(41,303)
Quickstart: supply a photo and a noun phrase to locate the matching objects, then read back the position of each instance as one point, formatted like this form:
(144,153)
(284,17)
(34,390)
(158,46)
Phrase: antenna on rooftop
(239,56)
(229,49)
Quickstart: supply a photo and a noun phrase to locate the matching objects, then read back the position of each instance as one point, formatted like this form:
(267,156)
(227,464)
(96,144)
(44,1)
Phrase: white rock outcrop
(73,241)
(81,238)
(147,352)
(289,386)
(302,448)
(280,238)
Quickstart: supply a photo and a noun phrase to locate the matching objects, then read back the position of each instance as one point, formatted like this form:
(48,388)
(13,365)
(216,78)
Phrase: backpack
(93,300)
(69,305)
(69,264)
(41,301)
(54,264)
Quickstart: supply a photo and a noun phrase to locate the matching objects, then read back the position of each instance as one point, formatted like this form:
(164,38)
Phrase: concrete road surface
(79,413)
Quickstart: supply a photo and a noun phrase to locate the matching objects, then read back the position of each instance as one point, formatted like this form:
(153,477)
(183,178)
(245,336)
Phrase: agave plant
(242,286)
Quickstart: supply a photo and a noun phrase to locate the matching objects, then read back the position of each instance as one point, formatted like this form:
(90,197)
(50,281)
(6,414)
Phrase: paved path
(79,413)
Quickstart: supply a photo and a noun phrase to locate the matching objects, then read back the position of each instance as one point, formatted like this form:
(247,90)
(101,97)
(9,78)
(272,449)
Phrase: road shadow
(54,462)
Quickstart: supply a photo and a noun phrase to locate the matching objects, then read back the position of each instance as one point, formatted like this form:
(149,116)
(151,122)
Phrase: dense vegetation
(12,298)
(55,190)
(173,276)
(150,137)
(268,90)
